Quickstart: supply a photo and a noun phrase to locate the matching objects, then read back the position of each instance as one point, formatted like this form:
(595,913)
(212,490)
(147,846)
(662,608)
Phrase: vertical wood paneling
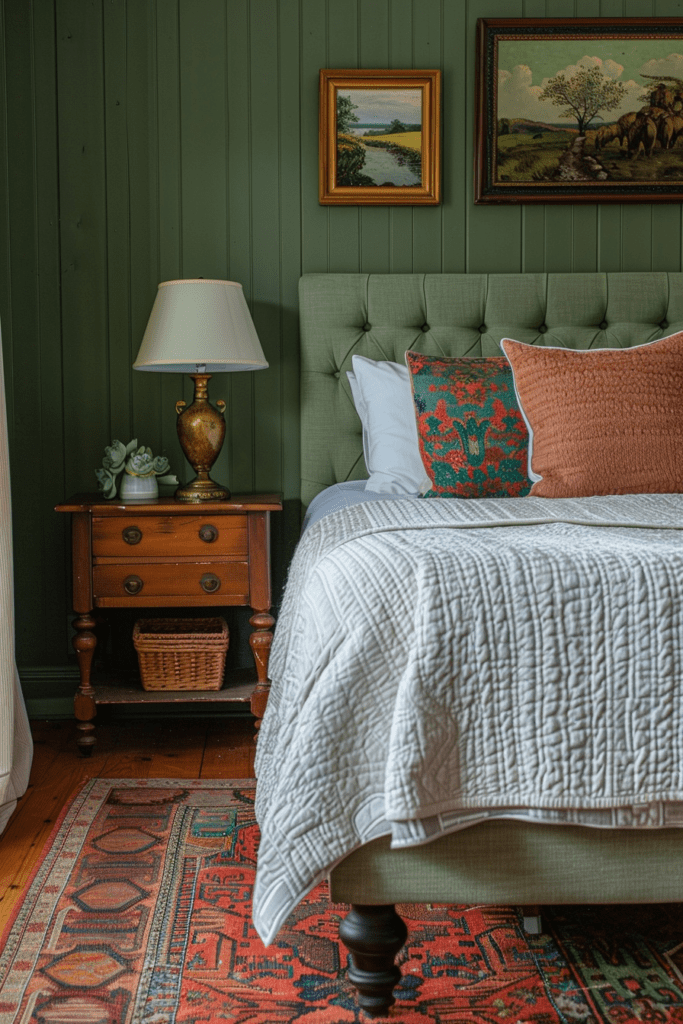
(667,225)
(286,531)
(24,337)
(5,255)
(82,182)
(314,218)
(636,243)
(375,232)
(609,238)
(585,239)
(204,127)
(456,154)
(584,236)
(118,216)
(401,55)
(558,239)
(533,239)
(54,601)
(144,140)
(559,217)
(611,8)
(203,167)
(169,200)
(265,174)
(494,234)
(33,362)
(141,120)
(428,220)
(343,52)
(667,234)
(238,388)
(533,217)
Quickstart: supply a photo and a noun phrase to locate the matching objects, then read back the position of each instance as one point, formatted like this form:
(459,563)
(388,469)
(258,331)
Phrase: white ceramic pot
(138,488)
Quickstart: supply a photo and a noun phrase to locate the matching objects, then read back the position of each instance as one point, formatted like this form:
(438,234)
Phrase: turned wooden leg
(260,640)
(373,935)
(101,633)
(85,707)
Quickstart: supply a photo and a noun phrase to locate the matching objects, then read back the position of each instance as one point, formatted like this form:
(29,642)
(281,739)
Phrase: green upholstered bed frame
(380,316)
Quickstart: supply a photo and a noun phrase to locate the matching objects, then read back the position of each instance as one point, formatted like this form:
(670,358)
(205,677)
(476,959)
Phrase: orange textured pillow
(602,421)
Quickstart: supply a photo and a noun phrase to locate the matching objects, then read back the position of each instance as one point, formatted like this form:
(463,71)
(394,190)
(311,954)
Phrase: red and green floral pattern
(473,439)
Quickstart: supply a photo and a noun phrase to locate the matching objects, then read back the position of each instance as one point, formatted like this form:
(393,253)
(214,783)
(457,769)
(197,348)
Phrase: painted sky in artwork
(381,106)
(525,67)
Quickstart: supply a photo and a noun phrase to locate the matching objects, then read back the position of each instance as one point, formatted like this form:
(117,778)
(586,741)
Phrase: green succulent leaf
(114,456)
(106,482)
(140,464)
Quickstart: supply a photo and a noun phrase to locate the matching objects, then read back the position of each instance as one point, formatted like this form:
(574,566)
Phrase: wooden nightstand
(168,553)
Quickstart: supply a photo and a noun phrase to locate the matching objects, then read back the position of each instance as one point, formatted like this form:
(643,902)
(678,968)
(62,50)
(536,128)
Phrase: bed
(500,860)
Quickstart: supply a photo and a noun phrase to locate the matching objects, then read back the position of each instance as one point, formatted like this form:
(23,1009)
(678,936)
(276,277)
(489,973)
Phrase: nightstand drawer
(151,536)
(193,582)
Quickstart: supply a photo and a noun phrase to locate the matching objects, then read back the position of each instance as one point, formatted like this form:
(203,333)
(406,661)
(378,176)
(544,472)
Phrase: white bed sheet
(344,495)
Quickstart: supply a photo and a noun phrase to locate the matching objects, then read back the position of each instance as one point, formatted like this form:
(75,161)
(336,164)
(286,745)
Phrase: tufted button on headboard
(383,315)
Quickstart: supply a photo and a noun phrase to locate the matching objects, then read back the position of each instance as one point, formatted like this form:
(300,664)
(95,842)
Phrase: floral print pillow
(473,439)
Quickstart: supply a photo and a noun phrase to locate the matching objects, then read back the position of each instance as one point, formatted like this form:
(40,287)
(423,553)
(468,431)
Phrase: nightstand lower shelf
(237,689)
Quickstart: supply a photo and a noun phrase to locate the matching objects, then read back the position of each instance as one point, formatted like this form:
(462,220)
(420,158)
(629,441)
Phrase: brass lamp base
(202,490)
(201,431)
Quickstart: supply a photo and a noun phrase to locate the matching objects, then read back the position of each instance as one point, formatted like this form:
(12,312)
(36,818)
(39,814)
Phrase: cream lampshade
(200,327)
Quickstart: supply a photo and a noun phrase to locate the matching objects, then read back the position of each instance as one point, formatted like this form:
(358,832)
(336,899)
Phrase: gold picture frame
(367,163)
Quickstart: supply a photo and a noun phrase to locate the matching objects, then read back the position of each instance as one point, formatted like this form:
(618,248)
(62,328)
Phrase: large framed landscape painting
(576,110)
(380,137)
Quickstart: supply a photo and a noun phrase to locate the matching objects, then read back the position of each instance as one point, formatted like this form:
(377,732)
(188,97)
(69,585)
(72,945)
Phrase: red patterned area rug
(139,913)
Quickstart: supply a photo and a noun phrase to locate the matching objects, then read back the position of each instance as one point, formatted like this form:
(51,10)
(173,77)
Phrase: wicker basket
(181,654)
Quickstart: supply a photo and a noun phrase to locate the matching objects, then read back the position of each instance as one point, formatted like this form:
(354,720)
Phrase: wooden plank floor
(163,749)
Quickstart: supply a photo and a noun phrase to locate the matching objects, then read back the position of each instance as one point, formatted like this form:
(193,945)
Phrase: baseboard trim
(51,708)
(49,690)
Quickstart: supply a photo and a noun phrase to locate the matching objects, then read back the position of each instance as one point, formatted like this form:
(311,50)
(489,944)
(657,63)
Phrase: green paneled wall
(143,140)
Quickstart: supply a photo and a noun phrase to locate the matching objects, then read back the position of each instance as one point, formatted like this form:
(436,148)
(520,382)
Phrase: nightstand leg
(260,641)
(85,707)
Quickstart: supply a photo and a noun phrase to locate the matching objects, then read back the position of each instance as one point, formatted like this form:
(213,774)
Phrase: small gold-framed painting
(380,137)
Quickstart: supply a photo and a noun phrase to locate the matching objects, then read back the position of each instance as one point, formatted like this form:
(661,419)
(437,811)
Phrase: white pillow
(383,398)
(360,409)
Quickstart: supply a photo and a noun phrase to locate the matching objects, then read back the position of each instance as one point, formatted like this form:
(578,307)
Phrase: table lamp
(200,327)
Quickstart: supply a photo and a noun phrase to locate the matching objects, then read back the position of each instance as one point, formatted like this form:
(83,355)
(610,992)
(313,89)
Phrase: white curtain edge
(15,783)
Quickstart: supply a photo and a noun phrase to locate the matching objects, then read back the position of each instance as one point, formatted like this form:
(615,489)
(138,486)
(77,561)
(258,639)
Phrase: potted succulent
(142,471)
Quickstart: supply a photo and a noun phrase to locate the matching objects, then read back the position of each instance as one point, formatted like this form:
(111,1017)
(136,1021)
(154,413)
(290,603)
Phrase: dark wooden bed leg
(373,935)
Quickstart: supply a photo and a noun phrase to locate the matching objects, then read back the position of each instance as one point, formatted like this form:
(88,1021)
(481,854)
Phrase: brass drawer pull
(208,533)
(132,535)
(132,585)
(210,583)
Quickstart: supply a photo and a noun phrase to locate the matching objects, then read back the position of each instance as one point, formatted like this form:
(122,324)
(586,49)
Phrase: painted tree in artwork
(583,95)
(345,113)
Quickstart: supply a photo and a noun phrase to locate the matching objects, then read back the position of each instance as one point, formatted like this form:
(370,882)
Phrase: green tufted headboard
(382,315)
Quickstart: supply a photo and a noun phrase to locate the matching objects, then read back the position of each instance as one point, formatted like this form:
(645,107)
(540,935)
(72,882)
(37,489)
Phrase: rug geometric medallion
(139,913)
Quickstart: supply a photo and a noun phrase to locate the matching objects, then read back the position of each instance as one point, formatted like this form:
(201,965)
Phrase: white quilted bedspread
(435,656)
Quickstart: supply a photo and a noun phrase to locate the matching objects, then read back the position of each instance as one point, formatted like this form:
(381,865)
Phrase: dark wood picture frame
(634,161)
(426,168)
